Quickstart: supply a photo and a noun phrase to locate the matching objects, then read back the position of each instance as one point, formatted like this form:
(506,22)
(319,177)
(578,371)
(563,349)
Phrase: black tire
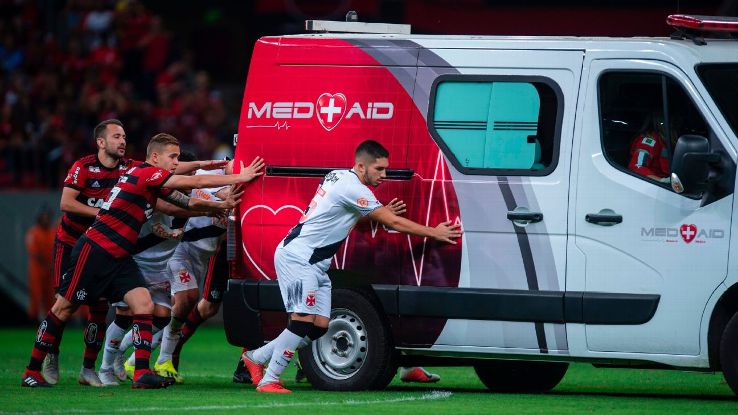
(357,352)
(520,376)
(729,353)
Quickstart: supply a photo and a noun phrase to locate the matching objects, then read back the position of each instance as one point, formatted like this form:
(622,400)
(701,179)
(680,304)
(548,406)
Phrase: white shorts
(186,267)
(305,288)
(157,282)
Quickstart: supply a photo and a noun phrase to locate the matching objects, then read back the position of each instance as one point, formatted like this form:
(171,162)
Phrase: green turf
(208,362)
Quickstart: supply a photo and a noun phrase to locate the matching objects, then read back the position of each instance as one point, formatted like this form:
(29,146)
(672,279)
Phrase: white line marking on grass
(432,396)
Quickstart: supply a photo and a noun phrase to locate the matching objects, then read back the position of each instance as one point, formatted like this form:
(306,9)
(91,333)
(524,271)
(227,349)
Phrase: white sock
(264,353)
(113,337)
(169,341)
(284,348)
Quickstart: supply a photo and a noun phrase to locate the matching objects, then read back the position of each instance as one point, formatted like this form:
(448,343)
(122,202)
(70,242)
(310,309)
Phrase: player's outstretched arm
(246,174)
(183,201)
(70,204)
(185,167)
(172,210)
(444,231)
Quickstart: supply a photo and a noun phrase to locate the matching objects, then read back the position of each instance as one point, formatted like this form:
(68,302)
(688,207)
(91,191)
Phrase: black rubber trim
(305,171)
(474,303)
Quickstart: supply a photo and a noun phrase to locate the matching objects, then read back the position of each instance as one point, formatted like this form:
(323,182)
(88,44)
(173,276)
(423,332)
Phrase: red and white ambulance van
(536,145)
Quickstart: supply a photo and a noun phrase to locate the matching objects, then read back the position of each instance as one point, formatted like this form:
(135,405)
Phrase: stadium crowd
(65,66)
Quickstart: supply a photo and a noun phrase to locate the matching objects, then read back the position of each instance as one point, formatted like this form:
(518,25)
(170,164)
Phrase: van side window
(642,114)
(496,127)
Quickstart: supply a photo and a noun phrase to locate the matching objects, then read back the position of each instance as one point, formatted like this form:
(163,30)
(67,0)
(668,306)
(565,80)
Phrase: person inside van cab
(650,155)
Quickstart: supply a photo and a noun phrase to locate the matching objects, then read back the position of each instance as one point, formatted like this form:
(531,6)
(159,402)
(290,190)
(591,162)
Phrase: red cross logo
(331,108)
(688,232)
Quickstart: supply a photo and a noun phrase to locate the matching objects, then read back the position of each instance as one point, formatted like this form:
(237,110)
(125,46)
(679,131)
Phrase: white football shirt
(157,247)
(203,232)
(340,201)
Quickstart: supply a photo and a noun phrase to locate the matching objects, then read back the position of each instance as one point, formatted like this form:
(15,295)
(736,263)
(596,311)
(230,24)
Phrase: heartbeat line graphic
(276,125)
(340,263)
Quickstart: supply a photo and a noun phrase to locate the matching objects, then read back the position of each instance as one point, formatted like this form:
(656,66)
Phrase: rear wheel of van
(520,376)
(356,353)
(729,353)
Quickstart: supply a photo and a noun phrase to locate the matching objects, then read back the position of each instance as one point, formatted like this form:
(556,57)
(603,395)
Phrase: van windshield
(721,81)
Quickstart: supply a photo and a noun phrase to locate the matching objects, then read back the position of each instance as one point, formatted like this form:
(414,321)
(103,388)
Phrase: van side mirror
(690,166)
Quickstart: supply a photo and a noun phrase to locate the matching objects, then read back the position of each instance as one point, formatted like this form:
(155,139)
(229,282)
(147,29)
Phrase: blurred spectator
(39,243)
(66,66)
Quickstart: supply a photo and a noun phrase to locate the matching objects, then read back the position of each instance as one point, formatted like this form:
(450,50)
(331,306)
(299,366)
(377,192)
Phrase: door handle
(603,219)
(531,217)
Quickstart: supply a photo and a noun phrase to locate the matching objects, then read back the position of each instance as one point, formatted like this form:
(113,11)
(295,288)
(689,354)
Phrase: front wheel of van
(520,376)
(356,353)
(729,353)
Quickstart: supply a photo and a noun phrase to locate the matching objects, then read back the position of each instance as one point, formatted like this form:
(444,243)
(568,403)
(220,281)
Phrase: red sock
(95,332)
(141,329)
(46,338)
(194,319)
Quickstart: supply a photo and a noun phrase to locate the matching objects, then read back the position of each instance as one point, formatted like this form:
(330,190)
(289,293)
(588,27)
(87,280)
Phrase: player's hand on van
(398,207)
(446,232)
(252,171)
(234,197)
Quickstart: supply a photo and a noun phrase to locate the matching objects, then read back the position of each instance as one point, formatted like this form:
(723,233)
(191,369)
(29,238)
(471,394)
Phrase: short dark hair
(372,149)
(99,130)
(159,141)
(185,155)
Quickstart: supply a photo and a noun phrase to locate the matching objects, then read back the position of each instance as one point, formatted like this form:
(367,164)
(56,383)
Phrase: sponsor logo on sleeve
(156,176)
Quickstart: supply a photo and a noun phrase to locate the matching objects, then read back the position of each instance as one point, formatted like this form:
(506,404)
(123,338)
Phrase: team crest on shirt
(362,202)
(310,299)
(156,176)
(81,295)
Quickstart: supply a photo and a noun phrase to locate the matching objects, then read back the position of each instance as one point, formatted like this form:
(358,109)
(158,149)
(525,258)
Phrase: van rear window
(497,125)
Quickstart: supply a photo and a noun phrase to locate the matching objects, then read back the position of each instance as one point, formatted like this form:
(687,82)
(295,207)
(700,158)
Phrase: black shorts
(60,259)
(93,273)
(216,280)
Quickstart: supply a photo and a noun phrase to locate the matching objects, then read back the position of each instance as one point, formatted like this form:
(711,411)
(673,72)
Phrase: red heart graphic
(254,248)
(330,109)
(688,232)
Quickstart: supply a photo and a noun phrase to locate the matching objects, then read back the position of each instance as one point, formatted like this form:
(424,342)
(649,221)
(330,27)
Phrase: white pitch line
(433,396)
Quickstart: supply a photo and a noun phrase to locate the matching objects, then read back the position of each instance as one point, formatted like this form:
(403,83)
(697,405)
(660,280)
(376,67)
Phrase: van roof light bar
(352,25)
(695,27)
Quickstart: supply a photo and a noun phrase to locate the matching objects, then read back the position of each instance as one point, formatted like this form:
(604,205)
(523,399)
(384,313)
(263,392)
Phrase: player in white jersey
(199,256)
(302,259)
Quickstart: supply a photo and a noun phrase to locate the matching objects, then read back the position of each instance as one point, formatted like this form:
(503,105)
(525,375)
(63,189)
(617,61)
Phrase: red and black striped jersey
(94,181)
(130,203)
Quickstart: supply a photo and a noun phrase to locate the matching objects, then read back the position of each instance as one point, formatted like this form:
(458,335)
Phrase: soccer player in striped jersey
(101,258)
(156,242)
(85,188)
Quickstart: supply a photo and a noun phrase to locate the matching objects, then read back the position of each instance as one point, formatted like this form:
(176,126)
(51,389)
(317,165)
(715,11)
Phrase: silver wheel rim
(342,351)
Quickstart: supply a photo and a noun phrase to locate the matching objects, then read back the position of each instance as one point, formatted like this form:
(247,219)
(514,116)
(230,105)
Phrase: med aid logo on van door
(687,233)
(329,109)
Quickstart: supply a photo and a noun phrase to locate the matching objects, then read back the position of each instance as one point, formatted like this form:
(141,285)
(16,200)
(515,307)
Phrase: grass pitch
(208,362)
